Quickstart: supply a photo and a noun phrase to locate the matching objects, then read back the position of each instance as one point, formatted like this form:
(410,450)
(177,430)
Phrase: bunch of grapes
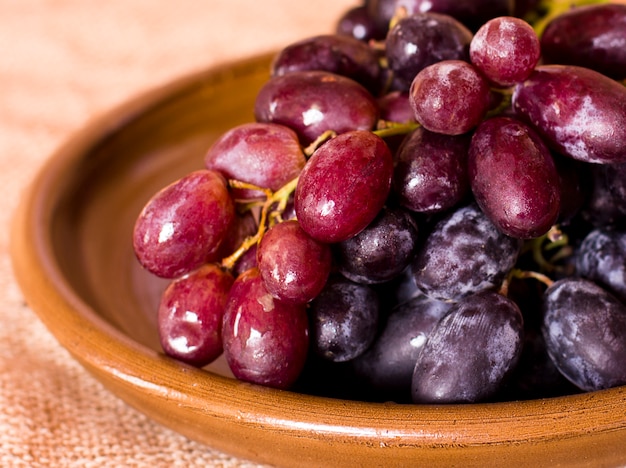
(429,206)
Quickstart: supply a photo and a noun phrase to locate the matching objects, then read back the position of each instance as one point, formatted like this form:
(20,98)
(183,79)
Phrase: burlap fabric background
(61,63)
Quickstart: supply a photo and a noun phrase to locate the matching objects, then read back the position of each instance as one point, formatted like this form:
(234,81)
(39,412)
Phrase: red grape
(313,102)
(343,186)
(514,178)
(293,265)
(190,315)
(182,226)
(579,112)
(505,50)
(263,154)
(450,97)
(265,340)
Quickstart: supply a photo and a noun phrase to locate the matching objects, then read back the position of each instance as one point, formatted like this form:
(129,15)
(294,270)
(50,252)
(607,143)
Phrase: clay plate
(73,259)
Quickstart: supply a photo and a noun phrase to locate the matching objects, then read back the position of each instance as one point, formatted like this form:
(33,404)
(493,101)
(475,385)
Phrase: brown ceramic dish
(73,258)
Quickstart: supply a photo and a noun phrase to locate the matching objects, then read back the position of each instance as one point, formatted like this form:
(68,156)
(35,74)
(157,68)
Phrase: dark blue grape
(471,351)
(601,257)
(464,254)
(344,319)
(585,332)
(388,364)
(381,251)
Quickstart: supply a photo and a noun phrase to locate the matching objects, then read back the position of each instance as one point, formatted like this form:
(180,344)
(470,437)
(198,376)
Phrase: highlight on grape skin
(427,206)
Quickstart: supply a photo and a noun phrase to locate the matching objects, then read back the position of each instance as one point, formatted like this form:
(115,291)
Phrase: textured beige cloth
(61,63)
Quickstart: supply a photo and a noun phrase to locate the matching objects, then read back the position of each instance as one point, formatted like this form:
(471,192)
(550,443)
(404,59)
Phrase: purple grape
(472,13)
(388,364)
(580,113)
(381,251)
(585,332)
(430,171)
(601,258)
(470,352)
(606,202)
(342,55)
(263,154)
(313,102)
(344,319)
(505,50)
(190,315)
(514,178)
(450,97)
(599,45)
(357,23)
(464,254)
(265,340)
(421,39)
(183,225)
(293,265)
(343,186)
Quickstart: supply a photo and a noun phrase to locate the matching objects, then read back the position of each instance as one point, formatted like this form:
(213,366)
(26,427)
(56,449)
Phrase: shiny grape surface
(343,186)
(514,178)
(182,226)
(263,154)
(313,102)
(430,171)
(601,257)
(579,112)
(190,315)
(265,340)
(471,13)
(293,265)
(381,251)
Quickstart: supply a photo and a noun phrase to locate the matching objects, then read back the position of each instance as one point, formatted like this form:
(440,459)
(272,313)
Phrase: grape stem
(272,209)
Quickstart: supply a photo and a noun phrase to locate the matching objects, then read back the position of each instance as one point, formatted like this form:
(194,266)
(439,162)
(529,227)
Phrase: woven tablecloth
(63,62)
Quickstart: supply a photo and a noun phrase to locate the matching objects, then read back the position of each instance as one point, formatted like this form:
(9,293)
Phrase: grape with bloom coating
(505,50)
(265,340)
(470,352)
(601,258)
(579,112)
(343,186)
(182,226)
(263,154)
(464,254)
(293,265)
(449,97)
(313,102)
(190,315)
(585,332)
(344,319)
(514,178)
